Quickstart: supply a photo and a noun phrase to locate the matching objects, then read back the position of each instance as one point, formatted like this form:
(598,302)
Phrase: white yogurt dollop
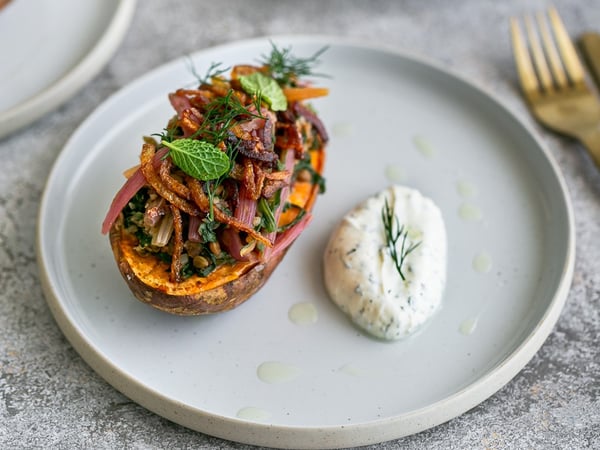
(362,278)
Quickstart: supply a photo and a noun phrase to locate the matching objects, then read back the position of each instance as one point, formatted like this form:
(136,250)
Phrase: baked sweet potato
(208,215)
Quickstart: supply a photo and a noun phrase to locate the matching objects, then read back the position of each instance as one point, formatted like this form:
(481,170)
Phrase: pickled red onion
(133,184)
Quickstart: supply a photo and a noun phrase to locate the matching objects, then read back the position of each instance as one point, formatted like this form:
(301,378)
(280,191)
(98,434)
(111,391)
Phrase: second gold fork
(559,99)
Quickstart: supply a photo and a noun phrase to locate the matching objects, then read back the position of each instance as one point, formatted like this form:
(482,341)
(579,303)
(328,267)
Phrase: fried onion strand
(157,184)
(171,183)
(176,263)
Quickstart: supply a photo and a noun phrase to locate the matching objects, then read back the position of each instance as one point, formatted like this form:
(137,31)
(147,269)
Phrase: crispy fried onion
(171,183)
(254,138)
(157,184)
(183,99)
(189,121)
(203,203)
(257,181)
(176,263)
(252,147)
(274,181)
(254,178)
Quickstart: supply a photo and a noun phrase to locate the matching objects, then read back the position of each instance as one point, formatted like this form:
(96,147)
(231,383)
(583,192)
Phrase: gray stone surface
(50,398)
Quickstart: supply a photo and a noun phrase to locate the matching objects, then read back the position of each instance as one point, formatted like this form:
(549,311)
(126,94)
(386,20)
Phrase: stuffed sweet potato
(202,222)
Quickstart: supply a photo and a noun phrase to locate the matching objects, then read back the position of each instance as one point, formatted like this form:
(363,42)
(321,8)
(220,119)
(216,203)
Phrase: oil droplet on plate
(482,262)
(465,189)
(304,313)
(254,414)
(277,372)
(352,370)
(468,326)
(423,146)
(470,212)
(395,173)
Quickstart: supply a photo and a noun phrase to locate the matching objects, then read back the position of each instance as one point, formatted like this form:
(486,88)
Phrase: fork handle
(591,141)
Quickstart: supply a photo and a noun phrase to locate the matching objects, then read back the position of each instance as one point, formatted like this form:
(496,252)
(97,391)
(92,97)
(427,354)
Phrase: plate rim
(72,80)
(330,436)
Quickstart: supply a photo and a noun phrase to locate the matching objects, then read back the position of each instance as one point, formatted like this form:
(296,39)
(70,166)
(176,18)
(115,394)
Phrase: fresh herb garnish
(285,68)
(211,188)
(214,70)
(138,201)
(134,218)
(199,159)
(207,230)
(395,232)
(168,134)
(268,217)
(266,87)
(220,115)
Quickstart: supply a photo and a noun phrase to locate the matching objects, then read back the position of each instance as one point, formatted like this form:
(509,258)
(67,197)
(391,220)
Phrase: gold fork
(561,100)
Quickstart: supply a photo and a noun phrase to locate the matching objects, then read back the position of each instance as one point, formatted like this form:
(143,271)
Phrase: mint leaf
(199,159)
(257,83)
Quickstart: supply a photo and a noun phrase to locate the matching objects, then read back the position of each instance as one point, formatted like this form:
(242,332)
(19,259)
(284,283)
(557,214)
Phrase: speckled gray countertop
(49,397)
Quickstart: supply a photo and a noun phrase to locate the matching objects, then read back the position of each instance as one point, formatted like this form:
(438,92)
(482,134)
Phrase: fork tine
(555,64)
(567,50)
(538,55)
(529,83)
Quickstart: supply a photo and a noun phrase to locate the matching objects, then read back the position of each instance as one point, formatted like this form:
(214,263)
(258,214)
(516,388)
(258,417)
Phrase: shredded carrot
(304,93)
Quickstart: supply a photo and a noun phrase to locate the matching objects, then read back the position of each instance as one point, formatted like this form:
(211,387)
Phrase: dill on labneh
(394,232)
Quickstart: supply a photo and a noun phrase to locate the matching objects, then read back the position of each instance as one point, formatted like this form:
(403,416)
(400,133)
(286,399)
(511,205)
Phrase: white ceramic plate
(392,118)
(52,48)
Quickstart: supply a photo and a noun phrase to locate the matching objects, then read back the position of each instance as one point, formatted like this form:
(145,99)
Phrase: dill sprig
(214,70)
(220,115)
(394,232)
(286,68)
(169,134)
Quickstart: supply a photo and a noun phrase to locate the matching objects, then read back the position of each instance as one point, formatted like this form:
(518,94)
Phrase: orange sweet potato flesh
(225,288)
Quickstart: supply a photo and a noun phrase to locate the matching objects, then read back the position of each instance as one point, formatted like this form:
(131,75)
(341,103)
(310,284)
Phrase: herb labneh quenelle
(385,263)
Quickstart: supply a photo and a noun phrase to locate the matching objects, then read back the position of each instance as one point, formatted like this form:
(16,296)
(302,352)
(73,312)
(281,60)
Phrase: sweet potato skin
(148,280)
